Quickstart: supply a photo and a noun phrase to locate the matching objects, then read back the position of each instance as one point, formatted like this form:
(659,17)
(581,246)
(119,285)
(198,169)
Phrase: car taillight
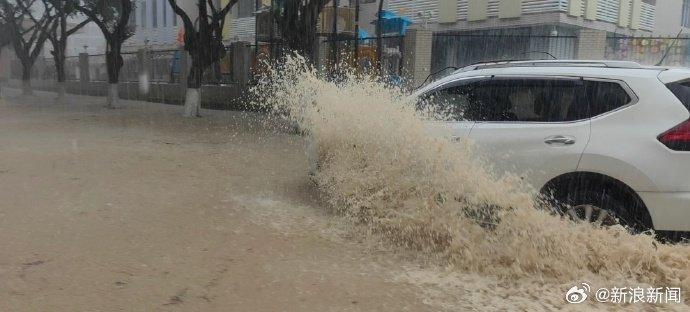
(678,138)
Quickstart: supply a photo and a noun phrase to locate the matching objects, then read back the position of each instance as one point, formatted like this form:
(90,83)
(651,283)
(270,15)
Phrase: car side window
(681,89)
(447,103)
(606,96)
(524,100)
(529,100)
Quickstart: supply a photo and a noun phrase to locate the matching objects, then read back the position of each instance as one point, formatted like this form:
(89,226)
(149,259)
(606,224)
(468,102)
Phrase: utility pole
(336,3)
(356,33)
(257,4)
(379,39)
(271,34)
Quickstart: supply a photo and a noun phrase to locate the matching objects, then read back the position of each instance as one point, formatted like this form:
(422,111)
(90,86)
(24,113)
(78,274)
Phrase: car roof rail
(554,63)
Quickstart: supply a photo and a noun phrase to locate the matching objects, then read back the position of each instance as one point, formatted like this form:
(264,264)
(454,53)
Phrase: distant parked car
(607,141)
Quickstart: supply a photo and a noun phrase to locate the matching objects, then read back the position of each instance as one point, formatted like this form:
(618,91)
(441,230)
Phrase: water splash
(385,168)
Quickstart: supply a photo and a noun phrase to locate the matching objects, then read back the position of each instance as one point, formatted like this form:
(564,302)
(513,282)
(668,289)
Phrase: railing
(72,68)
(362,55)
(145,75)
(98,69)
(130,67)
(49,70)
(462,49)
(164,65)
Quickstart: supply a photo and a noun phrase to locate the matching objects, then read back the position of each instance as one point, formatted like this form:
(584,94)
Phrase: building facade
(622,16)
(156,24)
(158,27)
(672,16)
(462,31)
(470,31)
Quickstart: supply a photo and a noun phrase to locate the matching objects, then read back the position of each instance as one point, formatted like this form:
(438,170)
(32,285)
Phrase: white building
(89,40)
(159,27)
(620,16)
(156,24)
(672,16)
(467,31)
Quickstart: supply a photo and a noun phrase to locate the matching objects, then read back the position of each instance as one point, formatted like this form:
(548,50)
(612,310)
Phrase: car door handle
(560,140)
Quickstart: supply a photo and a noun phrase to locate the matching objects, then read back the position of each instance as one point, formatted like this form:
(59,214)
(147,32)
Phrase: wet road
(138,209)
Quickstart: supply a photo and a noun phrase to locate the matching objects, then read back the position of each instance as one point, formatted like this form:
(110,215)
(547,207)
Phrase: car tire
(602,204)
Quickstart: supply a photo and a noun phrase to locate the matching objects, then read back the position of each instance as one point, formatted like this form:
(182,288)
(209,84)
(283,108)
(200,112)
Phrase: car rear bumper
(669,211)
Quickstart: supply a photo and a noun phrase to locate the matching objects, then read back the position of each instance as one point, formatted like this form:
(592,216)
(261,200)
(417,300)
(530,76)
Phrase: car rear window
(681,90)
(606,96)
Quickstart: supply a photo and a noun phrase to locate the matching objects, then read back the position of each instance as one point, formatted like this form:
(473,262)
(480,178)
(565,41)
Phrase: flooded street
(139,209)
(345,155)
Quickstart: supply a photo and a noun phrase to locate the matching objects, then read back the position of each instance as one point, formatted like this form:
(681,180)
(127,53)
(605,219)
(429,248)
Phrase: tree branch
(188,24)
(78,27)
(93,16)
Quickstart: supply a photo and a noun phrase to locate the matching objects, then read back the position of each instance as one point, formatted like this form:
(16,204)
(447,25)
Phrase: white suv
(607,140)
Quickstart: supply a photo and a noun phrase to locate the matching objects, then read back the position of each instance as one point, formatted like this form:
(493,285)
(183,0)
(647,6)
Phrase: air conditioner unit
(345,16)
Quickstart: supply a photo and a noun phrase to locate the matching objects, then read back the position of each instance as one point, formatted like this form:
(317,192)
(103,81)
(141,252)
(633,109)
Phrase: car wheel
(603,205)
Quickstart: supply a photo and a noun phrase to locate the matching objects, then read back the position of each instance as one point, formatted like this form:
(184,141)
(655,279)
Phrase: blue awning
(392,23)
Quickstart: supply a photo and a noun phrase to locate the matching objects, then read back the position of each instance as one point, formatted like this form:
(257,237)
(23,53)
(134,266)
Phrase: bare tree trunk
(1,79)
(61,76)
(60,90)
(192,103)
(26,81)
(203,41)
(113,96)
(114,61)
(115,30)
(297,23)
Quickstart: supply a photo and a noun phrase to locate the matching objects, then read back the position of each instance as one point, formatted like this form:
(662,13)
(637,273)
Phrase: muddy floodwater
(140,209)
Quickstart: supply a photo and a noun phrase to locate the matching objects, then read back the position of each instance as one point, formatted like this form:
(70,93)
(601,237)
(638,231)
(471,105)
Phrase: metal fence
(164,65)
(161,83)
(448,49)
(72,68)
(462,49)
(49,72)
(362,55)
(98,70)
(130,67)
(220,73)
